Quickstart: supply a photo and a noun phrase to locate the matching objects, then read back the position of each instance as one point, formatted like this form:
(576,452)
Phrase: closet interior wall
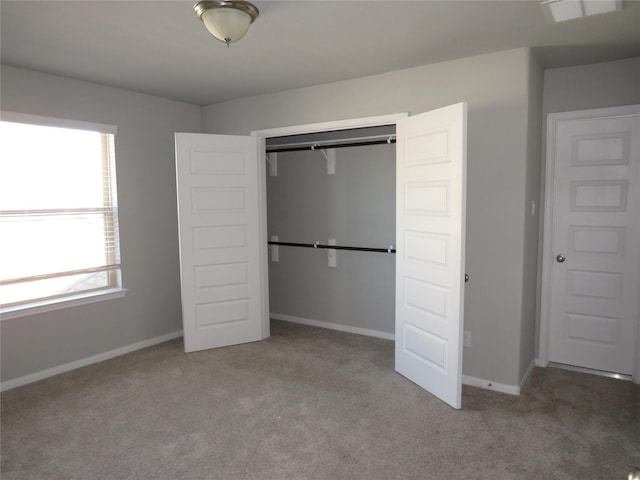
(355,206)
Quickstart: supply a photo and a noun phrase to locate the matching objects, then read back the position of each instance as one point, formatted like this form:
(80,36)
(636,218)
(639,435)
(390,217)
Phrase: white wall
(496,86)
(148,223)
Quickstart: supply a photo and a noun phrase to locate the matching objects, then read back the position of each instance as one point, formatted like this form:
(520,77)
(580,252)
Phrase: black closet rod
(335,145)
(333,247)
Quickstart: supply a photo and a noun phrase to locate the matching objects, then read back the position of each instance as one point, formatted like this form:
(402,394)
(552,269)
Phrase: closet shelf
(343,143)
(390,249)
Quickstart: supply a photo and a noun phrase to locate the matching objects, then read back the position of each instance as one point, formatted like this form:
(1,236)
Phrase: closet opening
(228,207)
(331,229)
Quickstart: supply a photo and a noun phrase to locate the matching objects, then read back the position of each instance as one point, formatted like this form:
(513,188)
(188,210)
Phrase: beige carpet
(309,403)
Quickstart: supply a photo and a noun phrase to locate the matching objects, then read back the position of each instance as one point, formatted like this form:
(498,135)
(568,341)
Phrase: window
(58,213)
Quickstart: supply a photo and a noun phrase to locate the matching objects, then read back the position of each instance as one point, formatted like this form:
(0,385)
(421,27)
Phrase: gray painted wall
(496,86)
(148,223)
(598,85)
(356,206)
(531,217)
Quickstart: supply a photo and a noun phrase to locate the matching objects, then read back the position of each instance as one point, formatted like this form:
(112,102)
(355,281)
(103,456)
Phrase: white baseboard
(539,362)
(490,385)
(499,387)
(83,362)
(466,379)
(333,326)
(527,374)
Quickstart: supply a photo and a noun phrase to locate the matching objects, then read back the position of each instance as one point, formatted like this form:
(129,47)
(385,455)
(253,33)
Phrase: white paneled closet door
(430,239)
(222,240)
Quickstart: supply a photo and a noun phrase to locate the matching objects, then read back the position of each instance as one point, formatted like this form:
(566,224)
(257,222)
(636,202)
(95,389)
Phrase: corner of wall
(531,215)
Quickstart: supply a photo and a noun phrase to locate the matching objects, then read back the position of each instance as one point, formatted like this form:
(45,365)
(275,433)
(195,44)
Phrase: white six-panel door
(593,258)
(222,246)
(430,242)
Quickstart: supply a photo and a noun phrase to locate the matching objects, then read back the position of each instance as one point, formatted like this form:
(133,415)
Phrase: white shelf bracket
(272,160)
(332,255)
(330,155)
(275,249)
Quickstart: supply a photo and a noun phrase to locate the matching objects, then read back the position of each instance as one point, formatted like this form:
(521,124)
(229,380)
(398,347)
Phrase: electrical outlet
(466,340)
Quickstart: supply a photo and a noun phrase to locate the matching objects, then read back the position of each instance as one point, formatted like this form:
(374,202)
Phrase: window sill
(60,303)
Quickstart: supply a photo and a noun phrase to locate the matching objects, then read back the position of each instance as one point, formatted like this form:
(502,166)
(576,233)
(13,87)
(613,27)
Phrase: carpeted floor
(309,403)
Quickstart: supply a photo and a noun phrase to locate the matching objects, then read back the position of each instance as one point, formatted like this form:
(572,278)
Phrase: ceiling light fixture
(227,20)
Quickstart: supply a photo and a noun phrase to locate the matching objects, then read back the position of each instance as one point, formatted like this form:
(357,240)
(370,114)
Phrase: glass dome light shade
(226,24)
(227,20)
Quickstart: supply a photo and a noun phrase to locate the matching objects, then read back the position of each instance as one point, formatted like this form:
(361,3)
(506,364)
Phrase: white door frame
(547,254)
(262,135)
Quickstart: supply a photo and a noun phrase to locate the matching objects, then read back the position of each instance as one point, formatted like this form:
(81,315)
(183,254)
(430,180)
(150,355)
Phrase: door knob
(466,277)
(560,258)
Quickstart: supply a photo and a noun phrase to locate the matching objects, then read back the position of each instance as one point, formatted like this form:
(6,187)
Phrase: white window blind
(58,212)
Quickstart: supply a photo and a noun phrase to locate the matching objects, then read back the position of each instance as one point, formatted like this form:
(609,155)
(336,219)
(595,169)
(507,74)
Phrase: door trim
(546,261)
(261,136)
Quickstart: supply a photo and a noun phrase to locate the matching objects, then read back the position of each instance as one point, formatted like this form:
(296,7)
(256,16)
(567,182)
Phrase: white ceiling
(162,48)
